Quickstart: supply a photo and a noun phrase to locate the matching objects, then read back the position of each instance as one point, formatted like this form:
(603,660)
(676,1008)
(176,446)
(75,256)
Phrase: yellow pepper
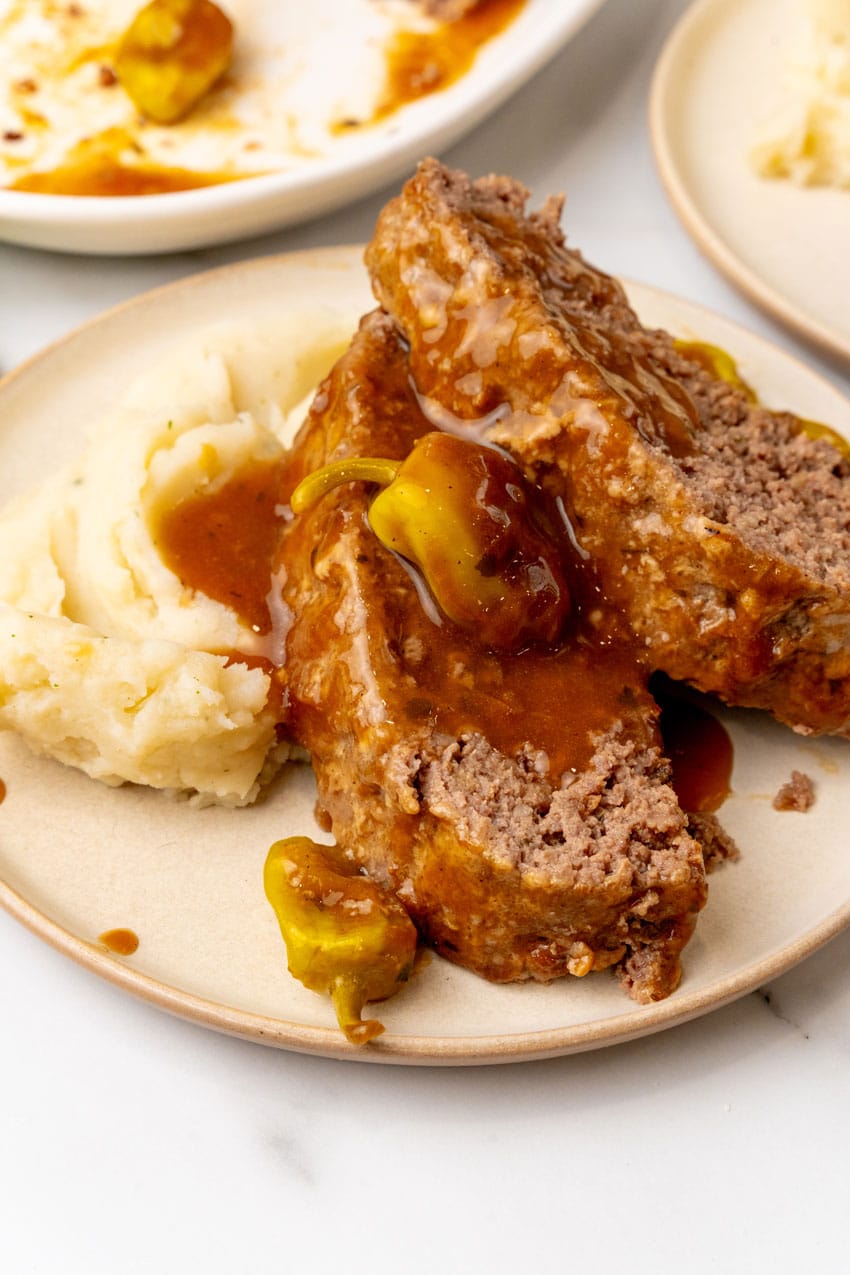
(172,54)
(816,429)
(716,361)
(463,514)
(345,936)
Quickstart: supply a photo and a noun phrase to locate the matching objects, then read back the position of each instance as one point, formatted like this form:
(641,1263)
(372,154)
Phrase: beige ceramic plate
(785,246)
(77,858)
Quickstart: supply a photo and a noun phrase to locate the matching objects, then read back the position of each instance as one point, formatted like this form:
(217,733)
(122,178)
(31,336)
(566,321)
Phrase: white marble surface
(131,1141)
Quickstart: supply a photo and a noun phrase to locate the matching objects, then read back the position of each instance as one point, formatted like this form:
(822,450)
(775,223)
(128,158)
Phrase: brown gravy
(121,941)
(701,754)
(501,374)
(423,62)
(446,683)
(108,175)
(432,672)
(222,543)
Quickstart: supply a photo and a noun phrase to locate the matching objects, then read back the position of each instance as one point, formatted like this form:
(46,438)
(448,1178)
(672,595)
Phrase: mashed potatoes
(808,139)
(109,663)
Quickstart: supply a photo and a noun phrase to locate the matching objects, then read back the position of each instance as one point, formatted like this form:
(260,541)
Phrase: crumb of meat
(798,793)
(717,845)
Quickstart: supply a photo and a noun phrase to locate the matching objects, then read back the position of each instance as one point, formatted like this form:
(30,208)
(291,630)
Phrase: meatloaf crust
(719,528)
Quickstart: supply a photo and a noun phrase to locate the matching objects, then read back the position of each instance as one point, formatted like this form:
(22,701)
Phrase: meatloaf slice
(518,805)
(720,529)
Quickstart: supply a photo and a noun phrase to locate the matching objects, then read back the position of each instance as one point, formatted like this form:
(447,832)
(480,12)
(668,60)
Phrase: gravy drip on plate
(108,176)
(121,941)
(700,752)
(424,62)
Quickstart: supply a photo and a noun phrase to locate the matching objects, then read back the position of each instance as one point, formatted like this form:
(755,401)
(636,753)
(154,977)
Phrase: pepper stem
(348,1001)
(355,469)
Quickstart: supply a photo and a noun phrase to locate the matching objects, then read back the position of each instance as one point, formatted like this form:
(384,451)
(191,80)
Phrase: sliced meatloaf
(518,804)
(720,529)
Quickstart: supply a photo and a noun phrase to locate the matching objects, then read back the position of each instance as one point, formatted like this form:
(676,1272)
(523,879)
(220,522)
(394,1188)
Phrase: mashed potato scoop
(109,660)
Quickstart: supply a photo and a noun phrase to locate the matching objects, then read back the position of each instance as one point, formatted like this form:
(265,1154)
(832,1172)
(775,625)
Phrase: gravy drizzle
(121,941)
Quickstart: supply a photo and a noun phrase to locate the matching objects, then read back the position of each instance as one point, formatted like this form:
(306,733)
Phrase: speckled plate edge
(501,1047)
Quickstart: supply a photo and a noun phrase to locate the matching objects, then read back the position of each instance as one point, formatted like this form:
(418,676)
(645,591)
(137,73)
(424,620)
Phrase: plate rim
(459,1050)
(706,238)
(481,1050)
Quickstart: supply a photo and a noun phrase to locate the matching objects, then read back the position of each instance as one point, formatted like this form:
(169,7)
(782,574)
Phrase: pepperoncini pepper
(461,512)
(816,429)
(718,362)
(345,936)
(171,54)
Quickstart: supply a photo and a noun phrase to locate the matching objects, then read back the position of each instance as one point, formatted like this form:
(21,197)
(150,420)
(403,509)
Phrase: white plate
(77,858)
(785,246)
(323,173)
